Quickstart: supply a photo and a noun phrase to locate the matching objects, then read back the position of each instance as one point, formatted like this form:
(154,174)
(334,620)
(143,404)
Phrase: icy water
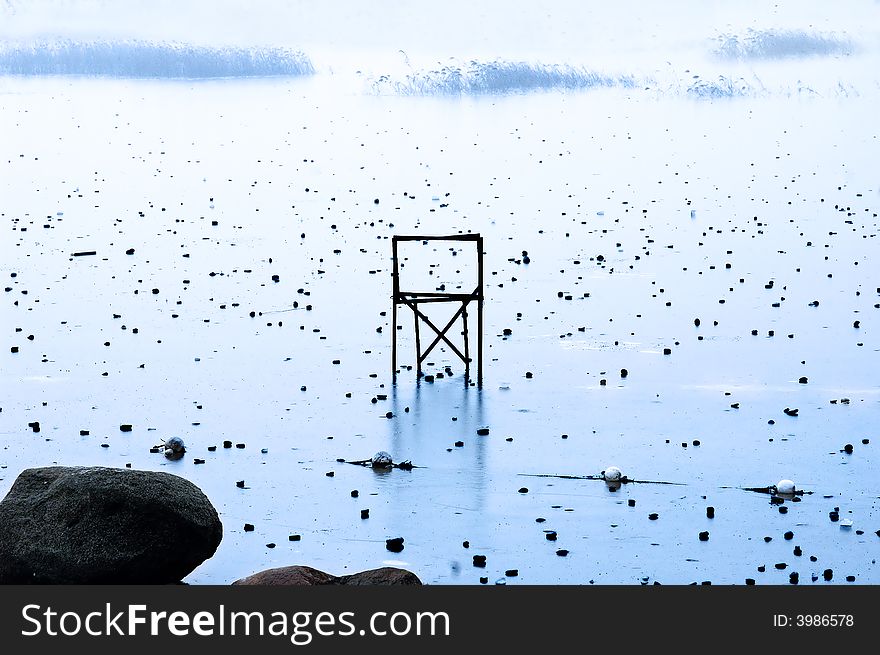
(671,264)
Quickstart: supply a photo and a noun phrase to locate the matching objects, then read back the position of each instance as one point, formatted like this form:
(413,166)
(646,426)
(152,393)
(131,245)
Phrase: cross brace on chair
(413,299)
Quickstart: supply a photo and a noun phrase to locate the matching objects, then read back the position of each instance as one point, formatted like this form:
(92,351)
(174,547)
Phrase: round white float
(612,474)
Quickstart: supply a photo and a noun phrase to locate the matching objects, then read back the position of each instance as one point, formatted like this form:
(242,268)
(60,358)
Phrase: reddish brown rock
(306,575)
(287,575)
(387,575)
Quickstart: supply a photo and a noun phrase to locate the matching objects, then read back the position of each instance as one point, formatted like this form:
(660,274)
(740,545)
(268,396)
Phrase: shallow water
(688,200)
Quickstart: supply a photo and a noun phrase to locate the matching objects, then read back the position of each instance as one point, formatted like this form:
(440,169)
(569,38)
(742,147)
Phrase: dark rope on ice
(623,480)
(769,490)
(404,466)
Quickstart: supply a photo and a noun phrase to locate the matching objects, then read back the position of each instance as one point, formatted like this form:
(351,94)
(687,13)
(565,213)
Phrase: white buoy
(381,460)
(612,474)
(785,487)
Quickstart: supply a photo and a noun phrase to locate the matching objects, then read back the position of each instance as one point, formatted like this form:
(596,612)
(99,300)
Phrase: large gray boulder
(95,525)
(306,575)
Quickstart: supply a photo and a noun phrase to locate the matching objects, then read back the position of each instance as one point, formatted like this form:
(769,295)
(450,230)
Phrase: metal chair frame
(413,300)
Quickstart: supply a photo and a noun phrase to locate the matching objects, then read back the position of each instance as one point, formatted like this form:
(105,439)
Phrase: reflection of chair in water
(414,299)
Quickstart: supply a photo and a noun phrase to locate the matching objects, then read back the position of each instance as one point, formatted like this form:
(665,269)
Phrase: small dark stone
(248,527)
(767,540)
(710,512)
(827,574)
(783,509)
(466,544)
(797,551)
(750,581)
(704,536)
(523,490)
(480,561)
(330,474)
(562,552)
(294,537)
(240,484)
(239,445)
(550,535)
(631,502)
(848,448)
(125,427)
(198,461)
(459,444)
(790,412)
(623,372)
(395,545)
(850,578)
(667,351)
(227,444)
(365,513)
(484,580)
(354,493)
(833,515)
(653,516)
(483,431)
(793,577)
(762,568)
(528,374)
(270,545)
(781,565)
(511,573)
(35,426)
(802,380)
(788,535)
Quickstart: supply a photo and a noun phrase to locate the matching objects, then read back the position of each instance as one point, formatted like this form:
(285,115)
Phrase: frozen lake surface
(700,250)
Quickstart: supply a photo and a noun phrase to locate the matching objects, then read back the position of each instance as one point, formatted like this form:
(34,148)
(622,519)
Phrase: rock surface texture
(95,525)
(306,575)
